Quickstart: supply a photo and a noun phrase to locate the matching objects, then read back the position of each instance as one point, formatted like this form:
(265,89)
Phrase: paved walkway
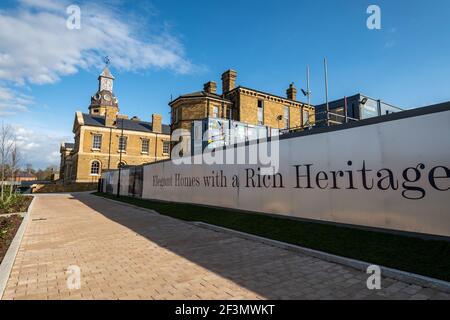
(128,253)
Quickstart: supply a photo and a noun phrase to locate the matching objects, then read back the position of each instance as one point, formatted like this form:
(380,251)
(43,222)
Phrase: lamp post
(120,157)
(325,65)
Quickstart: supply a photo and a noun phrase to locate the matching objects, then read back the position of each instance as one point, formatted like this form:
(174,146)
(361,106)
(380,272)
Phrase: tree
(14,164)
(29,168)
(6,143)
(46,174)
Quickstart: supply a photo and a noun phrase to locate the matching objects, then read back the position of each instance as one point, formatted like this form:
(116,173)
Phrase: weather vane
(107,60)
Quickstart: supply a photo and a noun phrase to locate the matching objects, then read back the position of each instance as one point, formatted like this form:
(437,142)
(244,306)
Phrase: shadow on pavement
(268,271)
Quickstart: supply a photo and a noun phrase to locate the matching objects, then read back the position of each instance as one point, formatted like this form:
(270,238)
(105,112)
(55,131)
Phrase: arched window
(95,167)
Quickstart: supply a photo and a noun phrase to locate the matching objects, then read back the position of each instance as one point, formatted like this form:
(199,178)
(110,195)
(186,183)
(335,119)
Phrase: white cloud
(12,101)
(36,47)
(43,4)
(38,146)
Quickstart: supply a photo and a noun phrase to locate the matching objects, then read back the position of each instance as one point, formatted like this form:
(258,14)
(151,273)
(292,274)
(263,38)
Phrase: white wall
(396,145)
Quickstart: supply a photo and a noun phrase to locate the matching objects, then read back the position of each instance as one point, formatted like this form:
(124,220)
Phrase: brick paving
(129,253)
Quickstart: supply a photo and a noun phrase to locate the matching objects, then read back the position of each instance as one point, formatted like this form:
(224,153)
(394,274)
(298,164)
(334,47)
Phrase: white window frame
(286,117)
(215,111)
(97,169)
(166,147)
(94,143)
(261,112)
(175,115)
(123,144)
(145,142)
(305,116)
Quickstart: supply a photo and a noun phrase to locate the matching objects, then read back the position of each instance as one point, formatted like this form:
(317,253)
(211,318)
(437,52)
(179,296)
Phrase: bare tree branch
(6,143)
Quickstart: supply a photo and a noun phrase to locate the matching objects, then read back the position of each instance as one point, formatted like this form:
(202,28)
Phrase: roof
(69,145)
(201,94)
(132,125)
(25,175)
(269,94)
(106,73)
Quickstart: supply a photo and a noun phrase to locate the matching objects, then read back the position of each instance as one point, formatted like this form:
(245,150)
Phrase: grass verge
(426,257)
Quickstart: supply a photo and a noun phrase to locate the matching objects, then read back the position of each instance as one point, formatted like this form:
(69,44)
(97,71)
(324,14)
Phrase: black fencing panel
(136,180)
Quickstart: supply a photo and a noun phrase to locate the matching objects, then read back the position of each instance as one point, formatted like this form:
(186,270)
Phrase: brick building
(241,104)
(105,139)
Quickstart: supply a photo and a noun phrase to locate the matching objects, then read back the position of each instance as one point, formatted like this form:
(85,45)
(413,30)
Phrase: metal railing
(330,119)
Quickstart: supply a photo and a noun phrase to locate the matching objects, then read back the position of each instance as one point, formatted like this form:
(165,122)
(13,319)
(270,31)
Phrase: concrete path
(128,253)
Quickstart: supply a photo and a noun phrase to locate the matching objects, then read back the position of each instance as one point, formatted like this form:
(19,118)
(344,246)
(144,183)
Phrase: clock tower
(104,99)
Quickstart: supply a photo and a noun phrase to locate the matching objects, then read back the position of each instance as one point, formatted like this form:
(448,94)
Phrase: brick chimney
(157,123)
(291,92)
(210,87)
(110,117)
(228,81)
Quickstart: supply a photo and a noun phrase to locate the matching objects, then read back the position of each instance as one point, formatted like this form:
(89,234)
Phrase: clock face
(106,84)
(107,97)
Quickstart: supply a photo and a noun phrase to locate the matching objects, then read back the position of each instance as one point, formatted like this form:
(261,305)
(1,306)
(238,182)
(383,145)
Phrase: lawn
(426,257)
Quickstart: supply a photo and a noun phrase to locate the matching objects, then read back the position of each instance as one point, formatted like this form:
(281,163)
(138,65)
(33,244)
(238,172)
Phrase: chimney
(228,81)
(156,123)
(110,117)
(210,87)
(291,92)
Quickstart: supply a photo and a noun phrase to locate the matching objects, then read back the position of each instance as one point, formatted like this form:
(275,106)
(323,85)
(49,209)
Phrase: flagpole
(325,63)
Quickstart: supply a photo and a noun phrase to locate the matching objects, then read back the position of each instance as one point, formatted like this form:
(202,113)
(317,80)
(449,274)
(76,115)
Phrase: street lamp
(120,156)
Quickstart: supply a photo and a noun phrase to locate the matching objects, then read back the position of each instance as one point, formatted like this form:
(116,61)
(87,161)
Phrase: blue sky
(166,47)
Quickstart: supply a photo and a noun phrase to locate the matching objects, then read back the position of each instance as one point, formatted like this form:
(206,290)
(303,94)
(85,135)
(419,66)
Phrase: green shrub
(13,203)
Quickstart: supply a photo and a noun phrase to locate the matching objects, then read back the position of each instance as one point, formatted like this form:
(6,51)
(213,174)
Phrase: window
(95,168)
(122,143)
(175,115)
(339,111)
(145,145)
(260,112)
(215,112)
(97,141)
(286,117)
(305,117)
(166,147)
